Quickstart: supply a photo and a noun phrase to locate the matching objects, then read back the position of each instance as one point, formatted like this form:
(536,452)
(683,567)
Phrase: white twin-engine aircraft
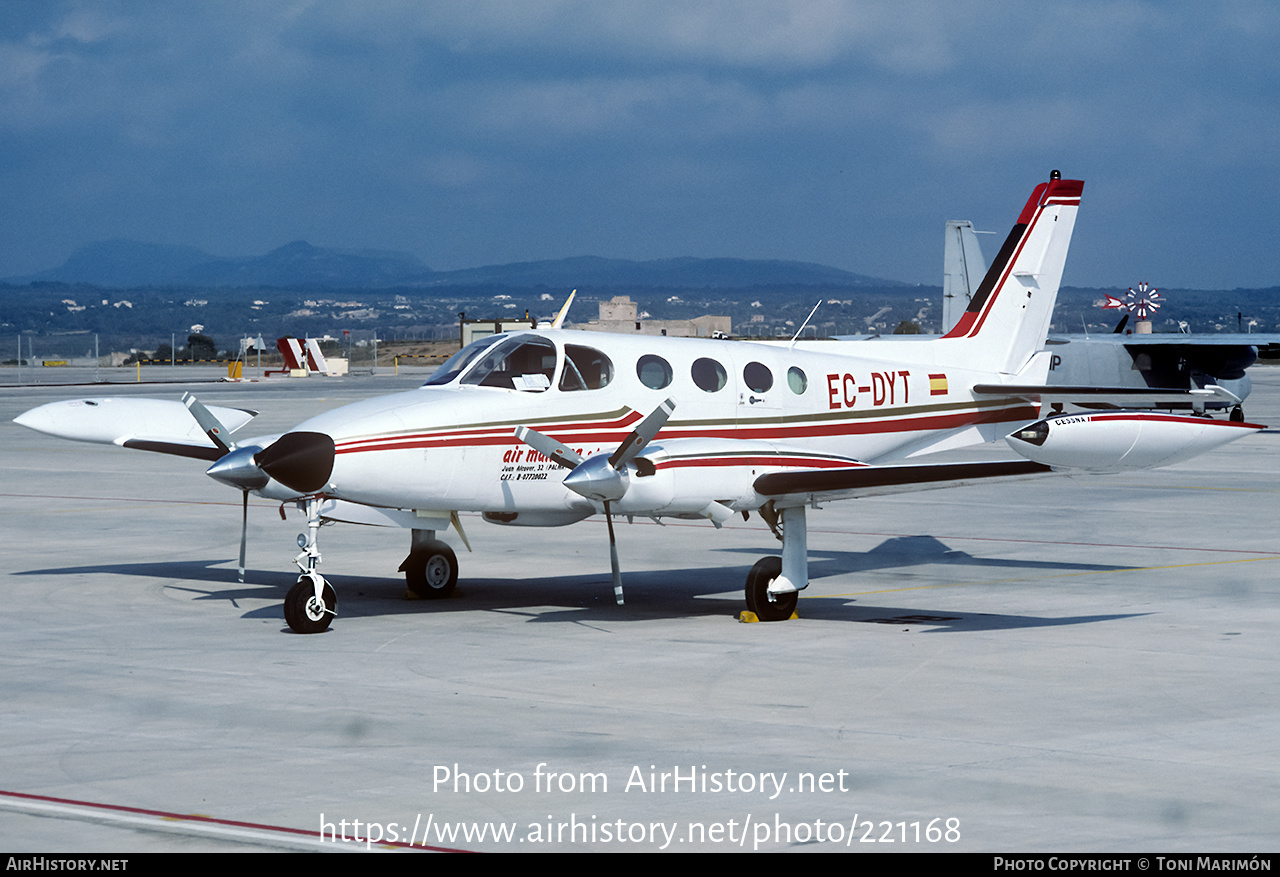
(545,428)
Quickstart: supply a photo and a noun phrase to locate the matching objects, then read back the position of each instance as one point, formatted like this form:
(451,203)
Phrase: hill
(122,264)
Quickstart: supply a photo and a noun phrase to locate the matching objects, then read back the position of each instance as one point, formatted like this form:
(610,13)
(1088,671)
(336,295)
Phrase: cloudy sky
(488,131)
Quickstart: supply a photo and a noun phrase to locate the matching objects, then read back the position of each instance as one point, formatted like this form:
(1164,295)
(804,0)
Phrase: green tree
(202,347)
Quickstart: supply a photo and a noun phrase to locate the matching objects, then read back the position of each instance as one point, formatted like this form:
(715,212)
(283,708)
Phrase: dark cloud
(470,133)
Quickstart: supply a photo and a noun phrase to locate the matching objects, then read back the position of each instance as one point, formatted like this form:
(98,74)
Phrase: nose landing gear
(311,603)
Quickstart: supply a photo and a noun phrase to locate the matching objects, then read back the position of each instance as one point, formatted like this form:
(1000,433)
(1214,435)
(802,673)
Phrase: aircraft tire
(765,571)
(300,611)
(431,572)
(1237,414)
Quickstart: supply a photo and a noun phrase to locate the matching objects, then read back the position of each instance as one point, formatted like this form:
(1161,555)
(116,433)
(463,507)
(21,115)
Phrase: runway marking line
(200,823)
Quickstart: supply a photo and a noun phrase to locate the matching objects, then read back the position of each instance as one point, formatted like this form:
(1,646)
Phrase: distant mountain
(686,272)
(122,263)
(301,264)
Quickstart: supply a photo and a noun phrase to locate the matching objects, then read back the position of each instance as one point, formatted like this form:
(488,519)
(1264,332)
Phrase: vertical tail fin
(1008,317)
(962,269)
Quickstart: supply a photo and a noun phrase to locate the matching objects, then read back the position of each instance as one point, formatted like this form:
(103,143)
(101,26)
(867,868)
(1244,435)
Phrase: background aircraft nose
(301,461)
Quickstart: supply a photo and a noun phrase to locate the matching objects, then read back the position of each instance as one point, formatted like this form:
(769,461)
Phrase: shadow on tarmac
(651,594)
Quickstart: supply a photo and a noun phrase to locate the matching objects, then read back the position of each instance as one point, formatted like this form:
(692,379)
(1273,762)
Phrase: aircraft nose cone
(239,469)
(301,461)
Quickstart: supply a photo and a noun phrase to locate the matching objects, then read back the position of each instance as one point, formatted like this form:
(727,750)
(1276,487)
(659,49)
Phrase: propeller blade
(212,426)
(244,528)
(549,447)
(301,461)
(614,565)
(598,477)
(633,444)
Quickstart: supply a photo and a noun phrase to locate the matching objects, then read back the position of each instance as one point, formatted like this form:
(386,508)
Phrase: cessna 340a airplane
(547,427)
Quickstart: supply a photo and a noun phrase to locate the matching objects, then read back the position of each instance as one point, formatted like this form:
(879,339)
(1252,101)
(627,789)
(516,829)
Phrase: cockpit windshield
(520,362)
(453,366)
(524,362)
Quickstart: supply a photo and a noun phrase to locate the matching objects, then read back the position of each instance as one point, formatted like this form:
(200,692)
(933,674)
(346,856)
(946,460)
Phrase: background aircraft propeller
(599,477)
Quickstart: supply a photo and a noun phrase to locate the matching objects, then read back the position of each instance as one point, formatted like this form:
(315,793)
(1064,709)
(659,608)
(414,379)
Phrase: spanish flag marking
(938,385)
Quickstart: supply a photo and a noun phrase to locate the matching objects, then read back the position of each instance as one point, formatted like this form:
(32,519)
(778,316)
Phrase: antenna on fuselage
(805,323)
(564,311)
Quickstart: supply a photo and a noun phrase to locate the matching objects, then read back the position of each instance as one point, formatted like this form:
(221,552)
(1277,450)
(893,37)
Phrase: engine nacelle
(1121,441)
(701,477)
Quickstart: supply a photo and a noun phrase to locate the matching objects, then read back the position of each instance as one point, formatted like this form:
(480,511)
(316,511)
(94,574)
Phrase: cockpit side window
(585,369)
(521,362)
(454,365)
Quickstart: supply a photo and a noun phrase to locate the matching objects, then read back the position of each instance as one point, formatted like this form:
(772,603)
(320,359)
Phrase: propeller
(231,467)
(602,478)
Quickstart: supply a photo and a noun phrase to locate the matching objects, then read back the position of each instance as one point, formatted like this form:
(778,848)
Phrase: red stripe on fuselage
(505,435)
(483,435)
(800,462)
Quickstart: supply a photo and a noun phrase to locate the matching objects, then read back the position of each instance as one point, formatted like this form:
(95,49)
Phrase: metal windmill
(1142,302)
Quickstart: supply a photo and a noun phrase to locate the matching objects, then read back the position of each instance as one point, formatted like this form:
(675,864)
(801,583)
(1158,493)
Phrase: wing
(808,485)
(161,425)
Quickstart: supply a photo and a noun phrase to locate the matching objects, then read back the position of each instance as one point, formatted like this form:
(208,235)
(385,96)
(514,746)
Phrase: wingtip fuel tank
(1121,441)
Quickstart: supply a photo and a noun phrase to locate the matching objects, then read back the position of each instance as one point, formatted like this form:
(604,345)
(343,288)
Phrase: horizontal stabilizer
(1114,397)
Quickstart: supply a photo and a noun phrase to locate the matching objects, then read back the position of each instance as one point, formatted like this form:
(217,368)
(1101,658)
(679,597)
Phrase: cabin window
(758,377)
(585,369)
(709,375)
(519,362)
(654,372)
(797,380)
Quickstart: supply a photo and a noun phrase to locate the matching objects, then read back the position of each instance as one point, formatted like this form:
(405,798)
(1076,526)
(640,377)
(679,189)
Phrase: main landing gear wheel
(1237,414)
(762,574)
(303,612)
(431,572)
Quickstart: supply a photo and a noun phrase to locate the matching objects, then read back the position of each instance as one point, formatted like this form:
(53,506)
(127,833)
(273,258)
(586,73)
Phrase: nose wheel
(310,604)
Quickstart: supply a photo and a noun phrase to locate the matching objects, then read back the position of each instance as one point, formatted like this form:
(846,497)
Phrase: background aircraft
(1132,363)
(548,427)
